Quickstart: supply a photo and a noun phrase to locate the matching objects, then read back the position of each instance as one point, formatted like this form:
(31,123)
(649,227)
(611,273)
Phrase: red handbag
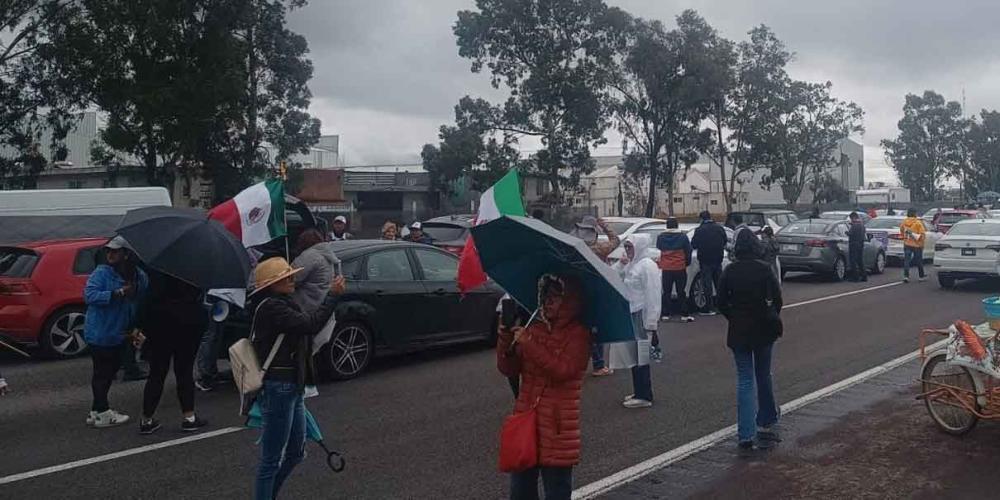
(519,442)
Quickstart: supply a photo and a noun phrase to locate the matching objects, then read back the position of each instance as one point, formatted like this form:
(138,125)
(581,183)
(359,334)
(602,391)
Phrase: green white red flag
(504,198)
(256,215)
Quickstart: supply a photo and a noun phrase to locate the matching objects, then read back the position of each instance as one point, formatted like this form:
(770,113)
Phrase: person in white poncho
(644,285)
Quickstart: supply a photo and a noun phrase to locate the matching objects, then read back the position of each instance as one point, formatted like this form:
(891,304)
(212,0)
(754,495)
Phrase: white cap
(116,243)
(416,225)
(340,218)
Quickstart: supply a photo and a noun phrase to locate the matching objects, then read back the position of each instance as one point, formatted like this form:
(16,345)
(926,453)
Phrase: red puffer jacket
(551,363)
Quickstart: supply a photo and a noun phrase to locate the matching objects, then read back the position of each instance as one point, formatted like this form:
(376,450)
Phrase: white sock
(189,419)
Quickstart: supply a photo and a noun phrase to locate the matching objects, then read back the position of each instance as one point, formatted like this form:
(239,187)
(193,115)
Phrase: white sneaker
(91,417)
(687,319)
(922,279)
(637,403)
(109,418)
(629,397)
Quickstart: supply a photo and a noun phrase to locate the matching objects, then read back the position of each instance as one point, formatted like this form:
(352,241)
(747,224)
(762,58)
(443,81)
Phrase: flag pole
(283,172)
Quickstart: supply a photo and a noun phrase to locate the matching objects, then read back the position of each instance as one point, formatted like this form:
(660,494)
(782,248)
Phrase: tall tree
(929,146)
(31,99)
(555,59)
(983,145)
(801,144)
(668,83)
(469,149)
(740,115)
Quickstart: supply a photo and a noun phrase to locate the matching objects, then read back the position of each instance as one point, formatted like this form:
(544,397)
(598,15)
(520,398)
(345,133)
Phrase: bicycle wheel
(947,409)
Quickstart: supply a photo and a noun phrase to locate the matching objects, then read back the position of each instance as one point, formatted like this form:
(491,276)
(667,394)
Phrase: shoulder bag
(247,371)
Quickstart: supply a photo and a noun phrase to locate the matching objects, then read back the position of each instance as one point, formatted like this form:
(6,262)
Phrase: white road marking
(587,491)
(634,472)
(120,454)
(840,295)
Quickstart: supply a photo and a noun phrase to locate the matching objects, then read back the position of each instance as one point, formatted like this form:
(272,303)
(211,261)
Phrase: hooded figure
(643,284)
(551,357)
(317,262)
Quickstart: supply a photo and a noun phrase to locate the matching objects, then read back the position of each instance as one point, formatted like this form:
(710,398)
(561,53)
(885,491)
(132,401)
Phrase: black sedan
(400,297)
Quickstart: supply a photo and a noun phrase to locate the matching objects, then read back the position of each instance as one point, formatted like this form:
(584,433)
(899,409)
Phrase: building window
(715,202)
(75,185)
(679,200)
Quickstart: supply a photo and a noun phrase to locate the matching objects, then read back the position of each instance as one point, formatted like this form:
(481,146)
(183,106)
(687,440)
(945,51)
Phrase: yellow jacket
(915,227)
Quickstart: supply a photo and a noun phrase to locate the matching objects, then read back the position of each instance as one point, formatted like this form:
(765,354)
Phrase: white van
(109,201)
(57,214)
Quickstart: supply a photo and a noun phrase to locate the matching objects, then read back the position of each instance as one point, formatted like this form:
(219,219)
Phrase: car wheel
(62,335)
(879,263)
(839,269)
(696,295)
(349,351)
(946,281)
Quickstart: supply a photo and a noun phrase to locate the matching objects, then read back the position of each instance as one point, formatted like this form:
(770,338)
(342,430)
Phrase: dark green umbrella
(516,251)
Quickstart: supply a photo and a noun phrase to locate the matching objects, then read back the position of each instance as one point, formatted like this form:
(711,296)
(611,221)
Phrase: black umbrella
(186,244)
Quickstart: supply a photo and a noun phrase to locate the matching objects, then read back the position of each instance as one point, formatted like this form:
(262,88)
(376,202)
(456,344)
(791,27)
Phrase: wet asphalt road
(424,425)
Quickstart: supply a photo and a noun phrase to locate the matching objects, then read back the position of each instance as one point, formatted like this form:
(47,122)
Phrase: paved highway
(424,425)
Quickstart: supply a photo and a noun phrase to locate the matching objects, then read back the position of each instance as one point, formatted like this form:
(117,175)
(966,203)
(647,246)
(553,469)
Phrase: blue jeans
(709,274)
(597,355)
(642,382)
(754,365)
(283,436)
(556,481)
(911,256)
(208,351)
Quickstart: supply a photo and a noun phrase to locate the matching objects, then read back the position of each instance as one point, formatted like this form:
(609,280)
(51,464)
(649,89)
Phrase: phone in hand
(508,313)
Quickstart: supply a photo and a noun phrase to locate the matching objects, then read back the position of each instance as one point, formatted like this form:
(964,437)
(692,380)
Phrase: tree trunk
(250,145)
(671,174)
(651,199)
(720,141)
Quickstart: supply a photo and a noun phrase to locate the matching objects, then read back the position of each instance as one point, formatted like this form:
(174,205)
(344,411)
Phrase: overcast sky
(388,72)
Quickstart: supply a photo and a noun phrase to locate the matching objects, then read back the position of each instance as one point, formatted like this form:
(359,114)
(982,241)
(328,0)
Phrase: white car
(885,230)
(625,226)
(695,292)
(971,249)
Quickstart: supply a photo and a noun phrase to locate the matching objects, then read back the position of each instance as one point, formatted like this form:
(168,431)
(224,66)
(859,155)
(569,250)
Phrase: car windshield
(806,227)
(952,218)
(444,232)
(975,229)
(884,223)
(833,215)
(17,262)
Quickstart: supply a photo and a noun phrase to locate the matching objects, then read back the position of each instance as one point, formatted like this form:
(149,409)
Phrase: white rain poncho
(643,284)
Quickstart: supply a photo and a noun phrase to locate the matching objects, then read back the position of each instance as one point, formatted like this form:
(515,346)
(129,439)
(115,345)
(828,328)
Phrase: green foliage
(983,145)
(31,99)
(800,143)
(826,189)
(666,87)
(555,59)
(930,144)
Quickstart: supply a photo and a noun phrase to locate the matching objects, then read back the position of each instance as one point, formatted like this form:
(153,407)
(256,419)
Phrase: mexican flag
(504,198)
(256,215)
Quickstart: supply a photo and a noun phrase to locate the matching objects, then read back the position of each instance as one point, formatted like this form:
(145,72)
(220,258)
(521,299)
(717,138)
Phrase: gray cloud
(388,71)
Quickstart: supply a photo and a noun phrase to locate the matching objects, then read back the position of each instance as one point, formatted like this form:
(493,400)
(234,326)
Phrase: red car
(41,293)
(946,218)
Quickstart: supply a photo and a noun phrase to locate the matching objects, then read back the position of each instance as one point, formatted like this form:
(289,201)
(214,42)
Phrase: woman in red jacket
(551,358)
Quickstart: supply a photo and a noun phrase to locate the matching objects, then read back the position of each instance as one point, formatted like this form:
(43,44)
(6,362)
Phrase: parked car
(449,232)
(971,249)
(820,246)
(756,220)
(844,215)
(41,293)
(400,297)
(694,291)
(944,219)
(885,230)
(625,226)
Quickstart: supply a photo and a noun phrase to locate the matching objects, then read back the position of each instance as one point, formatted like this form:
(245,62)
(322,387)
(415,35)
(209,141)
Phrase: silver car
(820,246)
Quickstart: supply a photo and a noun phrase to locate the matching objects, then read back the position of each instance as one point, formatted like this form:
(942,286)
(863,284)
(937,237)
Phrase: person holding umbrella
(112,294)
(279,320)
(643,284)
(551,357)
(172,321)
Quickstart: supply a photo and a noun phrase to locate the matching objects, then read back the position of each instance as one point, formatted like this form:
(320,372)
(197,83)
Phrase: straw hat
(271,271)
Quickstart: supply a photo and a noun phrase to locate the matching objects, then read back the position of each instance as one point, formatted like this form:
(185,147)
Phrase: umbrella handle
(334,460)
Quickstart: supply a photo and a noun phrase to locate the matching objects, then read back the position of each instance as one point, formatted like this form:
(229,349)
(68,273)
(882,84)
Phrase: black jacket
(856,235)
(710,241)
(744,290)
(173,312)
(279,314)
